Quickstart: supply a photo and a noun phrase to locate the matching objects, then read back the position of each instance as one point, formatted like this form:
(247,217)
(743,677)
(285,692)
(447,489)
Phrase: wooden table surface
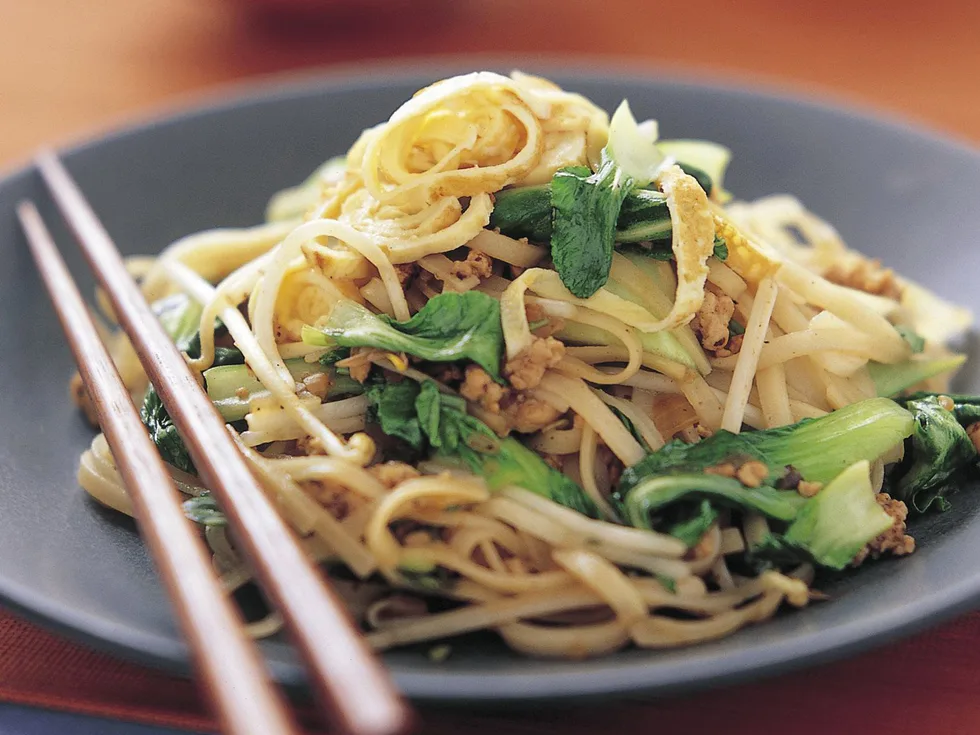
(69,68)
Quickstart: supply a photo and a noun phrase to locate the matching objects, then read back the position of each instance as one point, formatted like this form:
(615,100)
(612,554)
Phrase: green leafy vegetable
(833,526)
(449,429)
(436,579)
(966,408)
(437,423)
(655,493)
(720,248)
(700,156)
(818,448)
(644,217)
(586,207)
(450,327)
(669,583)
(523,212)
(393,408)
(180,317)
(940,453)
(232,387)
(890,380)
(735,328)
(515,464)
(203,509)
(691,530)
(331,358)
(632,148)
(631,428)
(163,432)
(915,341)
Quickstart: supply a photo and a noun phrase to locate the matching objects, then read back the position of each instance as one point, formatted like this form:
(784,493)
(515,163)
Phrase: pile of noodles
(419,189)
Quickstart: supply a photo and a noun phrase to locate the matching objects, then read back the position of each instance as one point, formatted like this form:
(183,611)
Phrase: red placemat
(927,684)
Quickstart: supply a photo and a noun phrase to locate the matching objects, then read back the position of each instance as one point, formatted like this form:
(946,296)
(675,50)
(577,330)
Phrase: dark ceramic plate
(895,192)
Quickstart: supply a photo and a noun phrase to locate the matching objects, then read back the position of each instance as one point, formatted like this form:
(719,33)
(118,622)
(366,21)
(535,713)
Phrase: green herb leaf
(656,493)
(818,448)
(232,388)
(438,423)
(586,207)
(523,212)
(966,408)
(890,380)
(331,358)
(393,407)
(163,432)
(448,328)
(203,509)
(721,248)
(691,530)
(449,428)
(180,317)
(669,583)
(833,526)
(915,340)
(940,451)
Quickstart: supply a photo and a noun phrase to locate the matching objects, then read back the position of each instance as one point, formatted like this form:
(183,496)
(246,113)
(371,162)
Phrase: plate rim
(446,686)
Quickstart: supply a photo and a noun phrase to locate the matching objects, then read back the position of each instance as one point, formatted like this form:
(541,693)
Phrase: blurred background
(69,68)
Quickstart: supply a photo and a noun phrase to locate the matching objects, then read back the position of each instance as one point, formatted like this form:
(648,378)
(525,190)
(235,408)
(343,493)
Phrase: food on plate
(513,364)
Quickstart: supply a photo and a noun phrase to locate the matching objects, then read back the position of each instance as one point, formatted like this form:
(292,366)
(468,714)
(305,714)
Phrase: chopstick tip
(26,211)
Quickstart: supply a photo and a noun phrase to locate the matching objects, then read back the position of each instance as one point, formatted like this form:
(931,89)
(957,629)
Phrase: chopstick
(226,660)
(353,688)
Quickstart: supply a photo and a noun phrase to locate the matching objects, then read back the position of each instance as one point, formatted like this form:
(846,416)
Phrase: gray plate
(895,192)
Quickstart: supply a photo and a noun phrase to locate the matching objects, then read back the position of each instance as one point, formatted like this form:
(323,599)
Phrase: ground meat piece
(752,474)
(336,499)
(790,480)
(553,461)
(480,388)
(973,430)
(518,410)
(534,312)
(318,384)
(359,362)
(894,541)
(526,414)
(406,273)
(866,275)
(733,346)
(808,489)
(81,398)
(541,324)
(446,373)
(477,264)
(359,372)
(711,321)
(723,470)
(391,474)
(526,370)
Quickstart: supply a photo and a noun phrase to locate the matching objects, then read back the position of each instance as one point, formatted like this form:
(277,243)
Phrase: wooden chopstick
(226,660)
(352,686)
